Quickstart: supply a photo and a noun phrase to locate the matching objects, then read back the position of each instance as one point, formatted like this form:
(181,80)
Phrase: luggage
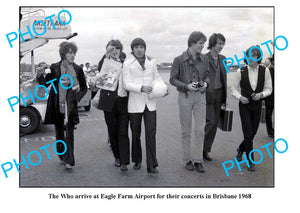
(225,121)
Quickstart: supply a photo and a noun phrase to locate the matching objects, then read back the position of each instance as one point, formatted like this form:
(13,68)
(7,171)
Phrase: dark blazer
(52,111)
(212,74)
(107,98)
(180,75)
(270,99)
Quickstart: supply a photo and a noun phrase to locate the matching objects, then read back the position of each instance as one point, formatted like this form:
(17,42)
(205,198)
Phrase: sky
(165,30)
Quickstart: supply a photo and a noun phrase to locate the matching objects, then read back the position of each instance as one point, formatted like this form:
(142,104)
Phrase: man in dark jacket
(189,74)
(68,87)
(216,93)
(270,102)
(114,105)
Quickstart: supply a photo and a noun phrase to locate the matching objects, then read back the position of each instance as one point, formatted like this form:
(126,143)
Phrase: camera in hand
(199,84)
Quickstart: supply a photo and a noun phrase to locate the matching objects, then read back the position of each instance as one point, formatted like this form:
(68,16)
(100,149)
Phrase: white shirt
(121,90)
(253,77)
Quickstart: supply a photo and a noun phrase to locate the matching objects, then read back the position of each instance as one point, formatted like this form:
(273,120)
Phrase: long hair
(65,47)
(195,37)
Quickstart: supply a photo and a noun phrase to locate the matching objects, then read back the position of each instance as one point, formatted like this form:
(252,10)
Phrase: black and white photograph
(120,136)
(149,106)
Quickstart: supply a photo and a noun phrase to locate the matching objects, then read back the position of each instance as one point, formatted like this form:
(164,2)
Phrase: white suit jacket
(134,77)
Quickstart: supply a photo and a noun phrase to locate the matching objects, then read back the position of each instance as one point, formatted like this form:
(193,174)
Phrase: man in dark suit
(270,102)
(114,105)
(62,102)
(216,92)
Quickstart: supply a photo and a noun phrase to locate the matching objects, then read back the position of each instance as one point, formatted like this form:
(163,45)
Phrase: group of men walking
(201,82)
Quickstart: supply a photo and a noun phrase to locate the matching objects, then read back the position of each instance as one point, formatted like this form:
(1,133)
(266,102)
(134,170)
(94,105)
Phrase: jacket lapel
(222,68)
(136,64)
(199,65)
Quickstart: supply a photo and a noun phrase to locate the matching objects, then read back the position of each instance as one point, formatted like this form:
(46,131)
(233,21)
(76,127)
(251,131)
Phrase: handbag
(225,121)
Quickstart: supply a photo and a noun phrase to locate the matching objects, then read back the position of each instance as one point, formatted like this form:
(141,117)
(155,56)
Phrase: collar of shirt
(255,69)
(189,57)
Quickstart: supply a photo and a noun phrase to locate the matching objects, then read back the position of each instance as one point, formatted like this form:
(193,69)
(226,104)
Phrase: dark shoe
(153,171)
(123,167)
(252,167)
(199,167)
(189,166)
(206,156)
(117,163)
(137,166)
(68,166)
(239,155)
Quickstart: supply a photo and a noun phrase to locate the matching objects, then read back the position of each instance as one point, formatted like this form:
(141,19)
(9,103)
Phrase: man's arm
(206,74)
(82,84)
(42,78)
(236,90)
(127,80)
(174,76)
(268,84)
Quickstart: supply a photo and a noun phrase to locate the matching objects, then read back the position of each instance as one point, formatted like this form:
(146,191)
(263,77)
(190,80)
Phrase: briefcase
(225,121)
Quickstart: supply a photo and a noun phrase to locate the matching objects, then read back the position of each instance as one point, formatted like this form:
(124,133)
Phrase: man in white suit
(138,73)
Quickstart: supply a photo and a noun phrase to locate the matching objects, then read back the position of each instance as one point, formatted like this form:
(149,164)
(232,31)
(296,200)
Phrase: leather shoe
(251,168)
(123,167)
(117,162)
(206,156)
(239,155)
(189,166)
(137,166)
(68,166)
(199,167)
(153,171)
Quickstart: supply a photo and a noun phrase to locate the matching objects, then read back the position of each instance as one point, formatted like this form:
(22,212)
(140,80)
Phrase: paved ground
(95,163)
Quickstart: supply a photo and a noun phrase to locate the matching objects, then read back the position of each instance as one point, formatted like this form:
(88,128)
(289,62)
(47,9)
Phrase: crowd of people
(201,82)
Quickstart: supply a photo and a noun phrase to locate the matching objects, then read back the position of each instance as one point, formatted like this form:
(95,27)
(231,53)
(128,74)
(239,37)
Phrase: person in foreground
(139,72)
(216,93)
(270,101)
(114,105)
(189,74)
(62,103)
(252,83)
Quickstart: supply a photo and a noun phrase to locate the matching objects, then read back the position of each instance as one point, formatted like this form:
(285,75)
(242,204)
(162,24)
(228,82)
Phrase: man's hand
(244,100)
(76,88)
(109,51)
(146,89)
(167,93)
(193,87)
(203,88)
(257,96)
(224,106)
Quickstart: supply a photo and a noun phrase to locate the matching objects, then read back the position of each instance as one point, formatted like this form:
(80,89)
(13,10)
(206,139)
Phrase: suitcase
(225,121)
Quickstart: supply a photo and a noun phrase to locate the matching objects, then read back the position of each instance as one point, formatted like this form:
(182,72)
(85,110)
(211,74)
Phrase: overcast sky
(165,30)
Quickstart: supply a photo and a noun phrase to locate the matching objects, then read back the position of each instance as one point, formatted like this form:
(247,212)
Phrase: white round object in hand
(159,89)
